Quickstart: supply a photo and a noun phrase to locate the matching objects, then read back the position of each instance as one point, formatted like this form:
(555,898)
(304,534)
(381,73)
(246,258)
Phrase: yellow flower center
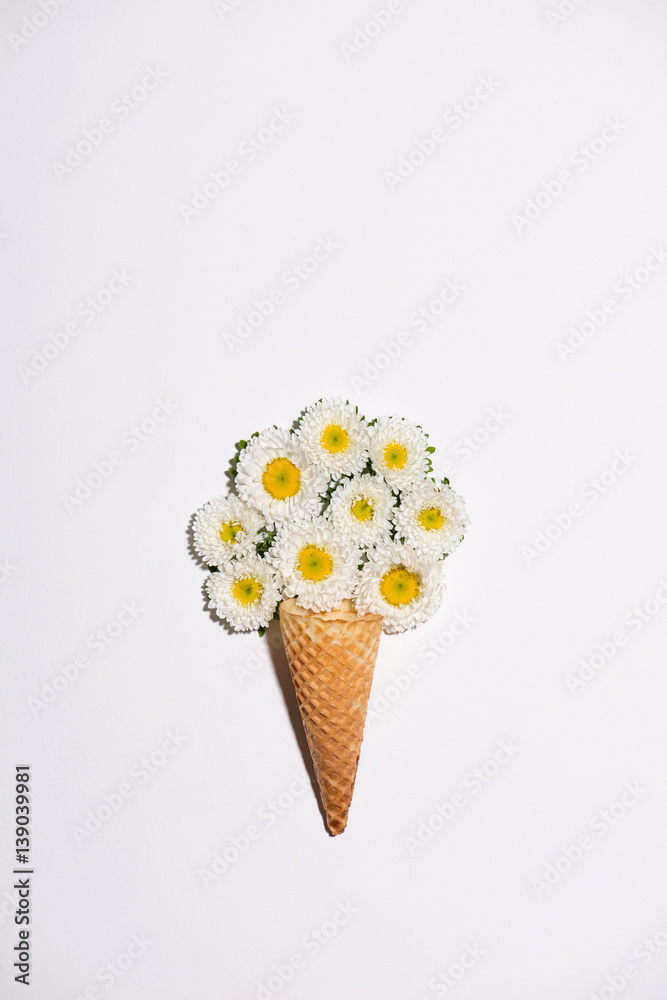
(334,438)
(362,509)
(247,590)
(229,530)
(281,479)
(314,563)
(431,518)
(395,455)
(399,586)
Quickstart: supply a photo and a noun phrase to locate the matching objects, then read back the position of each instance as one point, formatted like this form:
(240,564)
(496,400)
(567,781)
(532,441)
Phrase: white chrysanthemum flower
(432,519)
(316,565)
(245,592)
(402,586)
(275,475)
(361,509)
(225,527)
(335,437)
(398,451)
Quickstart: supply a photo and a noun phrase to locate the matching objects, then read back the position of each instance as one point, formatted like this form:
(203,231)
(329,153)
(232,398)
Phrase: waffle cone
(331,656)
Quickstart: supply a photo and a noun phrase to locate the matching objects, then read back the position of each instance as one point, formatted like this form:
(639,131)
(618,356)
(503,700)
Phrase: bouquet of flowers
(338,528)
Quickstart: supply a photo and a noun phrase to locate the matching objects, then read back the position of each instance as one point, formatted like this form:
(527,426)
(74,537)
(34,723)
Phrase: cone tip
(336,826)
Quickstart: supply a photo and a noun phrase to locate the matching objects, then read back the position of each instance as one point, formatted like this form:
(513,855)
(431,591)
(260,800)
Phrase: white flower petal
(376,527)
(398,618)
(271,445)
(432,542)
(410,460)
(209,521)
(244,617)
(347,432)
(316,595)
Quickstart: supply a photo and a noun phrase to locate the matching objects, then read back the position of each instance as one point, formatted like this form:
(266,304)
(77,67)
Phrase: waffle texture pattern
(332,660)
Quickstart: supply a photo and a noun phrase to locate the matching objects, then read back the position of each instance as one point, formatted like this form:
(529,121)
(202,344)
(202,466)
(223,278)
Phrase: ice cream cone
(332,656)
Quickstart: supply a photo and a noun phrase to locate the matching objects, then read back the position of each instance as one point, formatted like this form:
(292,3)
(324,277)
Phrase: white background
(69,565)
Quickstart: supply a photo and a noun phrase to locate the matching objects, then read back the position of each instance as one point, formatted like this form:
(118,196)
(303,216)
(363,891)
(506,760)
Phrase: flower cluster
(339,508)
